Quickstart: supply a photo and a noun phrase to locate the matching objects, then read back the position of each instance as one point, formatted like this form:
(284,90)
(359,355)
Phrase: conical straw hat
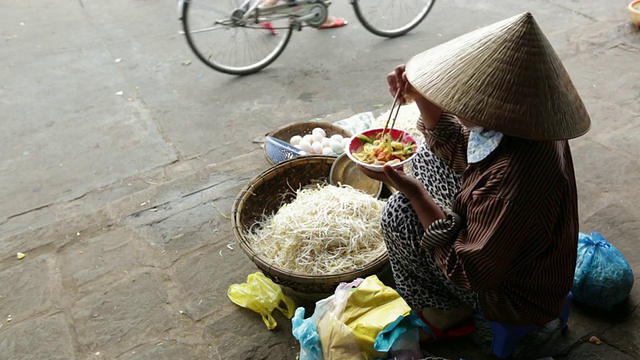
(504,77)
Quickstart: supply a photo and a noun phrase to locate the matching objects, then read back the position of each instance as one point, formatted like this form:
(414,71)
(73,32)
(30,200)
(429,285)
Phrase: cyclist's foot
(268,26)
(333,22)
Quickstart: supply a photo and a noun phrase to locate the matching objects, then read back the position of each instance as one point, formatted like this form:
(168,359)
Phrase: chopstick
(393,107)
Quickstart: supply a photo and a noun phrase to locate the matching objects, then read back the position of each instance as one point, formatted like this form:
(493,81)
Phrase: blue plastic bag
(389,337)
(401,337)
(305,331)
(603,277)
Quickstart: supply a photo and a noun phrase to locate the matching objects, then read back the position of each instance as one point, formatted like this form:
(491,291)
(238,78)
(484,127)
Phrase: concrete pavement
(120,165)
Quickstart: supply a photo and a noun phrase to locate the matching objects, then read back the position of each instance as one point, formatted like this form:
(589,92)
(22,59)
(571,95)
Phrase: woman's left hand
(428,211)
(395,178)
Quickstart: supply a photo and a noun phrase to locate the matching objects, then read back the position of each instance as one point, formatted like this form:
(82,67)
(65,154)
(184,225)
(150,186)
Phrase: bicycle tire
(205,52)
(367,20)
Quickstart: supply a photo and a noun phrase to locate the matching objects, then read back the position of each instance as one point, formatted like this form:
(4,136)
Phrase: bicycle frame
(239,37)
(312,12)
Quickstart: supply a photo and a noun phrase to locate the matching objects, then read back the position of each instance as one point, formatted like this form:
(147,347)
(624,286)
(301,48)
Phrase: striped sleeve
(442,232)
(448,140)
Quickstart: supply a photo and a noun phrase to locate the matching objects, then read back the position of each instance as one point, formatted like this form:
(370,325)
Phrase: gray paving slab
(121,202)
(43,337)
(70,130)
(31,291)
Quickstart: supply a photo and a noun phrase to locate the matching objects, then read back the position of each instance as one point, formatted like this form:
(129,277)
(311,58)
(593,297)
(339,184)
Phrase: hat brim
(505,77)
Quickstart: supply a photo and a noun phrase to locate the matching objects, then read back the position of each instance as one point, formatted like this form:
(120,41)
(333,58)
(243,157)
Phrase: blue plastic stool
(506,337)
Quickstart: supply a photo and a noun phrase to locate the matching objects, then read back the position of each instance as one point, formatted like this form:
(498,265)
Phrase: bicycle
(241,37)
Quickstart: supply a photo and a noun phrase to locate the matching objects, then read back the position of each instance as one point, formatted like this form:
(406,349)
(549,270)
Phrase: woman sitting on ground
(488,220)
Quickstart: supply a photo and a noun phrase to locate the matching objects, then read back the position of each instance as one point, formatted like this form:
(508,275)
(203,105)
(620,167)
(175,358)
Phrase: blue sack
(603,277)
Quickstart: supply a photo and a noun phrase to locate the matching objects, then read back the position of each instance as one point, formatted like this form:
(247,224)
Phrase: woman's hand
(428,211)
(397,80)
(395,178)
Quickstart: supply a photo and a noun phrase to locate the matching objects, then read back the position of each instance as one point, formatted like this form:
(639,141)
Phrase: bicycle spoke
(232,44)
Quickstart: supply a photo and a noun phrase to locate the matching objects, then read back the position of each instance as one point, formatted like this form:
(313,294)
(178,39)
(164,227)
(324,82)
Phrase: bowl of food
(634,12)
(375,148)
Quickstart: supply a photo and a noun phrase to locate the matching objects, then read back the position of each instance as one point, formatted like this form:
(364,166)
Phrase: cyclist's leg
(268,25)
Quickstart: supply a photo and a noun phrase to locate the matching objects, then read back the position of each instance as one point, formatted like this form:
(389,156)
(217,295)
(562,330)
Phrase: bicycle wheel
(391,18)
(217,35)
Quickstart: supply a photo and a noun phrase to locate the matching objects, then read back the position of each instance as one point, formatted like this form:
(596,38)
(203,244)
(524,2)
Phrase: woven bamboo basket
(264,195)
(302,128)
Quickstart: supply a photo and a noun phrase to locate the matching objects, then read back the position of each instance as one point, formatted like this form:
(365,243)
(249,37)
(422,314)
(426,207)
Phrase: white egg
(305,146)
(345,142)
(337,137)
(319,131)
(327,151)
(326,142)
(317,148)
(295,140)
(317,137)
(337,147)
(309,138)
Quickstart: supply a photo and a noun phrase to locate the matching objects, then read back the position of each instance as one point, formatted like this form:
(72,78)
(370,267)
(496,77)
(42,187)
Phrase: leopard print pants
(420,281)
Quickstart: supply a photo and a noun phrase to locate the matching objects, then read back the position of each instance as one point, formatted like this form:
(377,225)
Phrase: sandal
(338,22)
(462,329)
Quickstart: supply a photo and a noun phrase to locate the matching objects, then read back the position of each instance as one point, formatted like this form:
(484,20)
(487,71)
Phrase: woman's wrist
(430,112)
(415,190)
(422,202)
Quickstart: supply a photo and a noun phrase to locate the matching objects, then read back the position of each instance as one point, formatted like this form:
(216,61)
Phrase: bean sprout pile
(326,230)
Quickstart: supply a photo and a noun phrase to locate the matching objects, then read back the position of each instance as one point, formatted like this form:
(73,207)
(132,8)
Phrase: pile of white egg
(318,143)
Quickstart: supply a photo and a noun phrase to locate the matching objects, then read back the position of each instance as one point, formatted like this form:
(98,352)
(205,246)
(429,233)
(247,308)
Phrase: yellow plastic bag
(337,340)
(262,295)
(369,309)
(349,321)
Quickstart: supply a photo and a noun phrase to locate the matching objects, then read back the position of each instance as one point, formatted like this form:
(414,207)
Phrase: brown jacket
(512,232)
